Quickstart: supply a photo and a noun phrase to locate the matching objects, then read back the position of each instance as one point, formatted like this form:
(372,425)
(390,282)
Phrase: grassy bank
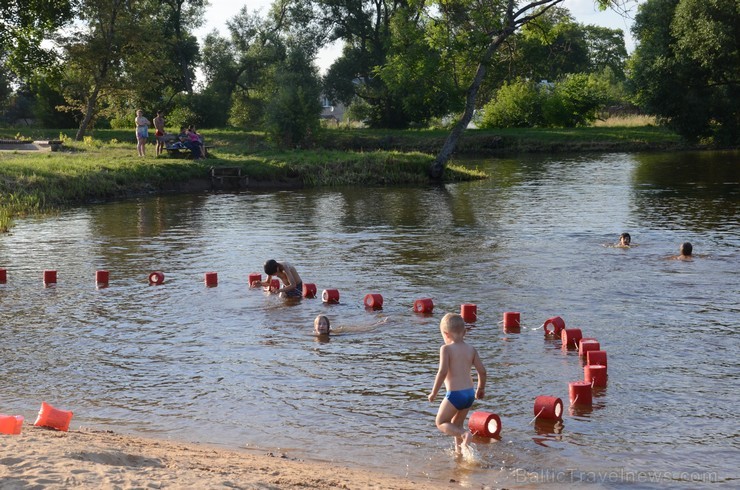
(105,166)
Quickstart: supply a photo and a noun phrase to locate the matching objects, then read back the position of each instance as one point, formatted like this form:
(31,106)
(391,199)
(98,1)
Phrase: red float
(374,301)
(570,337)
(156,278)
(548,407)
(330,296)
(101,277)
(309,290)
(595,375)
(485,424)
(11,424)
(211,279)
(596,357)
(253,278)
(512,319)
(424,305)
(558,325)
(469,312)
(50,277)
(3,276)
(274,285)
(579,393)
(586,345)
(53,417)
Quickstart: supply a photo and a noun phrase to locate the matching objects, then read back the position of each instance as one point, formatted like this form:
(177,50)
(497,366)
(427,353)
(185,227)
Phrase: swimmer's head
(686,249)
(452,326)
(271,267)
(321,325)
(625,239)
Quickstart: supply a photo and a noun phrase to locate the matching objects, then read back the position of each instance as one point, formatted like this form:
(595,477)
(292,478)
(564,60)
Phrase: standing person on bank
(142,132)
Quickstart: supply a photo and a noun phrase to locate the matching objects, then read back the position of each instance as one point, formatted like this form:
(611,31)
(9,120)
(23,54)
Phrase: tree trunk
(511,24)
(89,111)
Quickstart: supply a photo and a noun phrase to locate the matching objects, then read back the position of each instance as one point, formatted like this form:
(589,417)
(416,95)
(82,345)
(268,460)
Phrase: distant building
(332,111)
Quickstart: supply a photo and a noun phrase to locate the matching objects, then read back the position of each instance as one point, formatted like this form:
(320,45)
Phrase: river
(238,367)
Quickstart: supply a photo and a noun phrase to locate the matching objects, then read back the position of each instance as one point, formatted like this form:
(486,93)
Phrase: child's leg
(459,420)
(445,417)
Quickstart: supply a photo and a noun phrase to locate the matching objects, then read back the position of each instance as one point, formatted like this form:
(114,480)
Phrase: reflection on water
(235,366)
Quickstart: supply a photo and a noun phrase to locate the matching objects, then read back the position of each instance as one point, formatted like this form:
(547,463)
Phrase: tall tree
(512,16)
(686,68)
(107,54)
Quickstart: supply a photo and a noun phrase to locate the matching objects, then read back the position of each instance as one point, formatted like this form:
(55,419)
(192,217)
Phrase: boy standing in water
(456,359)
(292,283)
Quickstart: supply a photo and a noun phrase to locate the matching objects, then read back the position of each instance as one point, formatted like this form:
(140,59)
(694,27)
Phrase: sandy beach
(86,458)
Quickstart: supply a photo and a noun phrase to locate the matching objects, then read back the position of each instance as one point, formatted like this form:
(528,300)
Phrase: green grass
(105,166)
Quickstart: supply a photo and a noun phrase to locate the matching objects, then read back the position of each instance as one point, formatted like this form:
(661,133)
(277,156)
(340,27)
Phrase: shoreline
(92,458)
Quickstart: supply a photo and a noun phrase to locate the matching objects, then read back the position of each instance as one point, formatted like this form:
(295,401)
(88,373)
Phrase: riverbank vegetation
(105,166)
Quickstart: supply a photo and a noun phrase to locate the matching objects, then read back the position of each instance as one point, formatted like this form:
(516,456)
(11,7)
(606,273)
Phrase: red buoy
(484,424)
(156,278)
(53,417)
(424,305)
(469,312)
(557,324)
(274,285)
(586,345)
(579,393)
(330,296)
(596,357)
(211,279)
(570,337)
(309,290)
(50,277)
(101,278)
(3,276)
(595,375)
(253,278)
(11,424)
(548,407)
(511,319)
(373,301)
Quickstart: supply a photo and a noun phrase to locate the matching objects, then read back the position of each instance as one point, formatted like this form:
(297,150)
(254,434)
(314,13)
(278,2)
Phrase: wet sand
(86,458)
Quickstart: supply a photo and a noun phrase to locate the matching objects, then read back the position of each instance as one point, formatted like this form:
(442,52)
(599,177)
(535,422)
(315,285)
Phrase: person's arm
(480,391)
(444,367)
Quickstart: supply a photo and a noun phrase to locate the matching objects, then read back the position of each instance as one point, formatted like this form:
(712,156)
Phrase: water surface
(238,367)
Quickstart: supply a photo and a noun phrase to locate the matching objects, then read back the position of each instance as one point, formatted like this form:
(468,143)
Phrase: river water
(238,367)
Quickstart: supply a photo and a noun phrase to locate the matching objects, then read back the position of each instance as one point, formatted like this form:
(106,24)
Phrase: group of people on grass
(188,137)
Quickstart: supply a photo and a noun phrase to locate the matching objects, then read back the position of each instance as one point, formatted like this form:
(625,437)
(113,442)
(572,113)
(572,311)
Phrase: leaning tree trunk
(89,112)
(512,23)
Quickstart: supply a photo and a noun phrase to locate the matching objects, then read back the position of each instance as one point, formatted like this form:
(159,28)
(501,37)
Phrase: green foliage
(686,68)
(292,114)
(182,115)
(516,105)
(574,100)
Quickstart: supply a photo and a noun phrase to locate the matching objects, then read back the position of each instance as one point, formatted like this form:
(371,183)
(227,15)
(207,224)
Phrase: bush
(516,105)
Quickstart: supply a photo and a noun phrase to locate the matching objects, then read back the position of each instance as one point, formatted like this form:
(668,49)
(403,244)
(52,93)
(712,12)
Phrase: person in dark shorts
(292,283)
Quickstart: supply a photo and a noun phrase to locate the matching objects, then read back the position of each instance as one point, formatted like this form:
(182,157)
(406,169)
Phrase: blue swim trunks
(461,399)
(295,293)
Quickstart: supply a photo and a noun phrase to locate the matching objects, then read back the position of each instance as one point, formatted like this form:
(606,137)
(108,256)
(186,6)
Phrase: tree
(686,68)
(108,54)
(512,17)
(24,24)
